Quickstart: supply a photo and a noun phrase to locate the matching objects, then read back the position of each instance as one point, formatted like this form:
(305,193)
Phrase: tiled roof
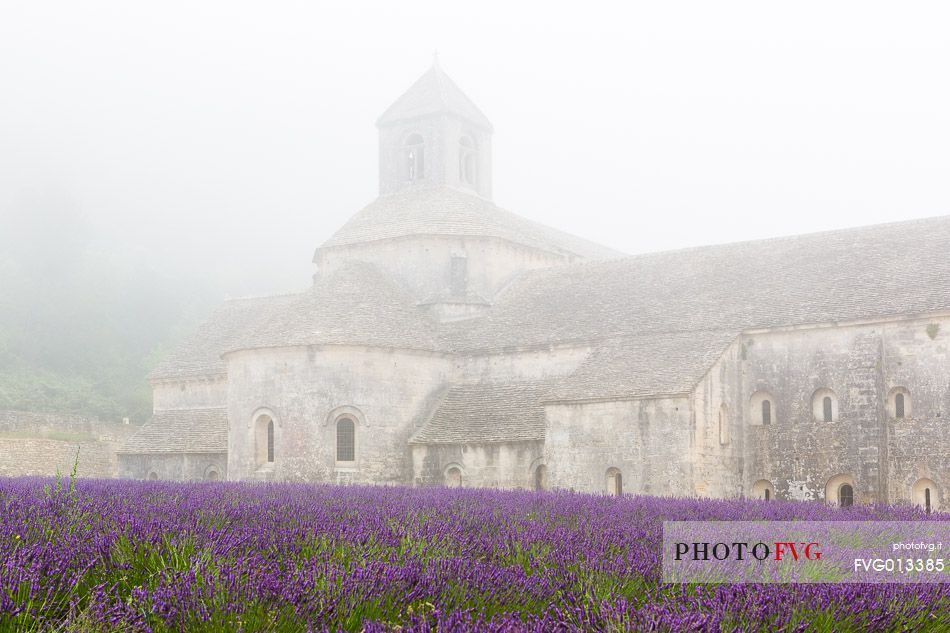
(643,366)
(869,272)
(444,210)
(434,93)
(487,413)
(200,354)
(182,431)
(655,322)
(355,305)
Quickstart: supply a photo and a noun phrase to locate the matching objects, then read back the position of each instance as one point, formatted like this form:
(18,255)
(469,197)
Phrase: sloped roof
(655,322)
(487,413)
(443,210)
(182,431)
(869,272)
(355,305)
(643,366)
(434,93)
(200,354)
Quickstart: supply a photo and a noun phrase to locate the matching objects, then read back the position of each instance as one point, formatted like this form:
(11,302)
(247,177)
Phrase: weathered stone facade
(446,341)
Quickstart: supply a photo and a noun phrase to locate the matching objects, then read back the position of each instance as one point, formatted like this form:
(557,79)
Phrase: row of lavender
(136,556)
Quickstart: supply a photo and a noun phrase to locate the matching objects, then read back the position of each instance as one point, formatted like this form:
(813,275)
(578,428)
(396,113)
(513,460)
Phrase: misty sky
(226,140)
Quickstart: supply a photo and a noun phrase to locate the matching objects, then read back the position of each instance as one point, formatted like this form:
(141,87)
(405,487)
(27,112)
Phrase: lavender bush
(155,556)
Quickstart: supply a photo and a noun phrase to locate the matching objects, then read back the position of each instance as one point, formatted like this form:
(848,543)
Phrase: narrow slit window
(414,158)
(766,412)
(826,408)
(270,441)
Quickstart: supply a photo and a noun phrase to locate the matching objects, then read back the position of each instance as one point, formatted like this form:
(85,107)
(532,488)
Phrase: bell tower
(434,135)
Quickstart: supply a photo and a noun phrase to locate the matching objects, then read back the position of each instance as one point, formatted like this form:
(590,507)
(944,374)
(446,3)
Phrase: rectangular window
(459,276)
(345,440)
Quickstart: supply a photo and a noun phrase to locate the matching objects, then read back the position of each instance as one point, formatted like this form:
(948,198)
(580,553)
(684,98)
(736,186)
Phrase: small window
(153,476)
(468,161)
(264,439)
(459,276)
(345,440)
(414,158)
(270,441)
(761,408)
(924,495)
(845,496)
(825,405)
(453,477)
(723,424)
(898,403)
(614,482)
(763,489)
(541,477)
(840,490)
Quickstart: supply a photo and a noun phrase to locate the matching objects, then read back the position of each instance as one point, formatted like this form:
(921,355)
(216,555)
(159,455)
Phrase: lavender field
(137,556)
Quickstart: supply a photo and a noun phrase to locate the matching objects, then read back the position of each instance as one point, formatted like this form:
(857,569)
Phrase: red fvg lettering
(781,548)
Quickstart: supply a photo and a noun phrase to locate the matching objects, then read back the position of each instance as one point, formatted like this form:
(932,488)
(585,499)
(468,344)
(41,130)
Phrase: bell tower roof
(434,93)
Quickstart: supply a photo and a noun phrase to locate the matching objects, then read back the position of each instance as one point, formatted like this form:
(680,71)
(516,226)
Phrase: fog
(224,141)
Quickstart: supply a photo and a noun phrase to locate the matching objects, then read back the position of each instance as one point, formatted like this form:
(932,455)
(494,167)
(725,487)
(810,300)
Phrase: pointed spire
(434,93)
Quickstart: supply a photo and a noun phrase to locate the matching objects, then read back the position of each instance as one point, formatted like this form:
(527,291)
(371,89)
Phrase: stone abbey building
(447,341)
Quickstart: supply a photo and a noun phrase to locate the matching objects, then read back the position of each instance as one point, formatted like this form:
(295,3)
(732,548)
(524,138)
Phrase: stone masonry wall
(305,390)
(862,365)
(39,444)
(174,466)
(423,264)
(648,441)
(503,465)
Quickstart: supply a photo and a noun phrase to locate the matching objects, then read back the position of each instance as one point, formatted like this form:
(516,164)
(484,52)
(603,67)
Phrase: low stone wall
(41,444)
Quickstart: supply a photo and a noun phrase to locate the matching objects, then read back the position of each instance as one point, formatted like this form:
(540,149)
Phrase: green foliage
(57,491)
(81,325)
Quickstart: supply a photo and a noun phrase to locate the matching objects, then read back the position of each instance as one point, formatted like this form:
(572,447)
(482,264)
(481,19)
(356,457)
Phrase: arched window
(264,439)
(414,163)
(614,482)
(270,440)
(840,490)
(453,477)
(541,477)
(468,161)
(825,405)
(723,424)
(845,496)
(153,476)
(763,489)
(761,408)
(345,440)
(212,474)
(898,403)
(924,494)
